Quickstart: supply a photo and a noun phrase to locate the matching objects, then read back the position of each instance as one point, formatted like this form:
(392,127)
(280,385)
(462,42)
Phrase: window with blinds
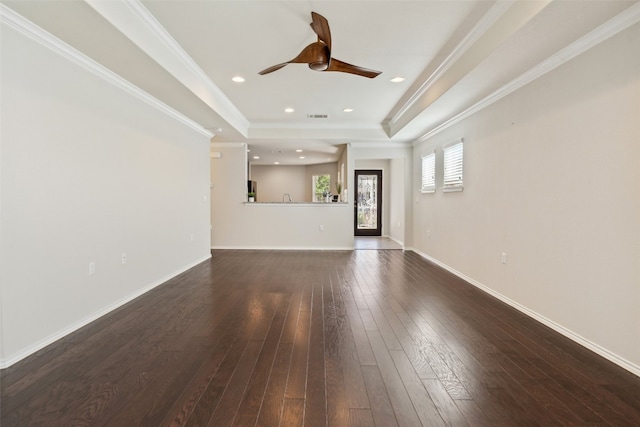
(453,166)
(429,173)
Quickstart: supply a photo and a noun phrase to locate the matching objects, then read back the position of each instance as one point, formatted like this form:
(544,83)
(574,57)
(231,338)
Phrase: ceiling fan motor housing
(318,54)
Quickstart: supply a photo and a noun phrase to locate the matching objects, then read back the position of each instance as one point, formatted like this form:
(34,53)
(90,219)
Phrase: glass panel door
(368,203)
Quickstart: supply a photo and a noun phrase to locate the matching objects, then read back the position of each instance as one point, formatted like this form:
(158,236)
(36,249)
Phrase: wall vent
(317,116)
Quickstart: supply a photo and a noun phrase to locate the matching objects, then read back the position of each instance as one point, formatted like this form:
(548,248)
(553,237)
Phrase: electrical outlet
(92,268)
(428,233)
(321,227)
(123,258)
(503,258)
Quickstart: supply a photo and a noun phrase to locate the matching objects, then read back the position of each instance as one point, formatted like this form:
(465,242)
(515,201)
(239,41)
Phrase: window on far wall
(321,187)
(453,166)
(429,173)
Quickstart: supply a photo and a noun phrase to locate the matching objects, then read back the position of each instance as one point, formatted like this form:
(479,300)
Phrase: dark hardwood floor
(349,338)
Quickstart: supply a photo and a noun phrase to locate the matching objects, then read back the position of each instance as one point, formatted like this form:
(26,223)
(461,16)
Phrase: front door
(368,203)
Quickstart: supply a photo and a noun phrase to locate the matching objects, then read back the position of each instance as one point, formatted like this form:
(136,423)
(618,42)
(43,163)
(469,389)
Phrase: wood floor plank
(361,342)
(413,344)
(330,338)
(184,405)
(398,396)
(292,413)
(227,407)
(236,345)
(254,394)
(360,418)
(315,408)
(386,331)
(348,352)
(422,402)
(443,402)
(334,338)
(381,409)
(271,408)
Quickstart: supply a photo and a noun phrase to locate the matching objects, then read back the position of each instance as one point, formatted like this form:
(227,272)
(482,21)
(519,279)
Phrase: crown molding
(605,31)
(135,21)
(280,131)
(37,34)
(386,144)
(474,35)
(481,27)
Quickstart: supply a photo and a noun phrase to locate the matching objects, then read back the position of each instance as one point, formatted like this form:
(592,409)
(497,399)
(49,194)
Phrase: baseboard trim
(5,363)
(607,354)
(282,248)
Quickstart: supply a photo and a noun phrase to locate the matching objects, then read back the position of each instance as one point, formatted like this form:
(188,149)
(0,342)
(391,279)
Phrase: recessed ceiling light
(238,79)
(298,151)
(276,163)
(397,79)
(348,110)
(289,110)
(301,157)
(256,157)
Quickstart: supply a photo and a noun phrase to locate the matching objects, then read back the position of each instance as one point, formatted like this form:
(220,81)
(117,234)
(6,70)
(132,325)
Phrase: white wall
(342,167)
(395,183)
(241,225)
(397,205)
(88,172)
(275,181)
(552,178)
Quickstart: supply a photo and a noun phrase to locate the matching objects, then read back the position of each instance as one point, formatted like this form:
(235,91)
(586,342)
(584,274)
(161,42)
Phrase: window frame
(314,179)
(453,166)
(426,168)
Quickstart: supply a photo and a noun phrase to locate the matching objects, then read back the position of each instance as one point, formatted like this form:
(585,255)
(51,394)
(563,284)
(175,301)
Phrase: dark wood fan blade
(337,65)
(272,69)
(316,55)
(320,26)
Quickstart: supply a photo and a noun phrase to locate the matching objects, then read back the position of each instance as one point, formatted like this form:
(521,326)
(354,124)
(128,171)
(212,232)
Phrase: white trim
(283,248)
(610,28)
(297,204)
(430,188)
(453,162)
(312,124)
(383,144)
(620,361)
(452,143)
(135,21)
(95,316)
(37,34)
(452,189)
(482,26)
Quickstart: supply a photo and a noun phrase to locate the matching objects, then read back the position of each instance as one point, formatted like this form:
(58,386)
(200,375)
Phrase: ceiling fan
(318,54)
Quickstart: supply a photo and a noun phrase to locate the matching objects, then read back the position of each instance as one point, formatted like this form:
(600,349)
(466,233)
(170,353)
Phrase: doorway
(368,203)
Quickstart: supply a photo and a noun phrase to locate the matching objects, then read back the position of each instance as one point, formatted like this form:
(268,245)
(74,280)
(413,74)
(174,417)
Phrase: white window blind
(429,173)
(453,167)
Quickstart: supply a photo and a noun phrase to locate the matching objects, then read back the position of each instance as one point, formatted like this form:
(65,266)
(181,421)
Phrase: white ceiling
(455,57)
